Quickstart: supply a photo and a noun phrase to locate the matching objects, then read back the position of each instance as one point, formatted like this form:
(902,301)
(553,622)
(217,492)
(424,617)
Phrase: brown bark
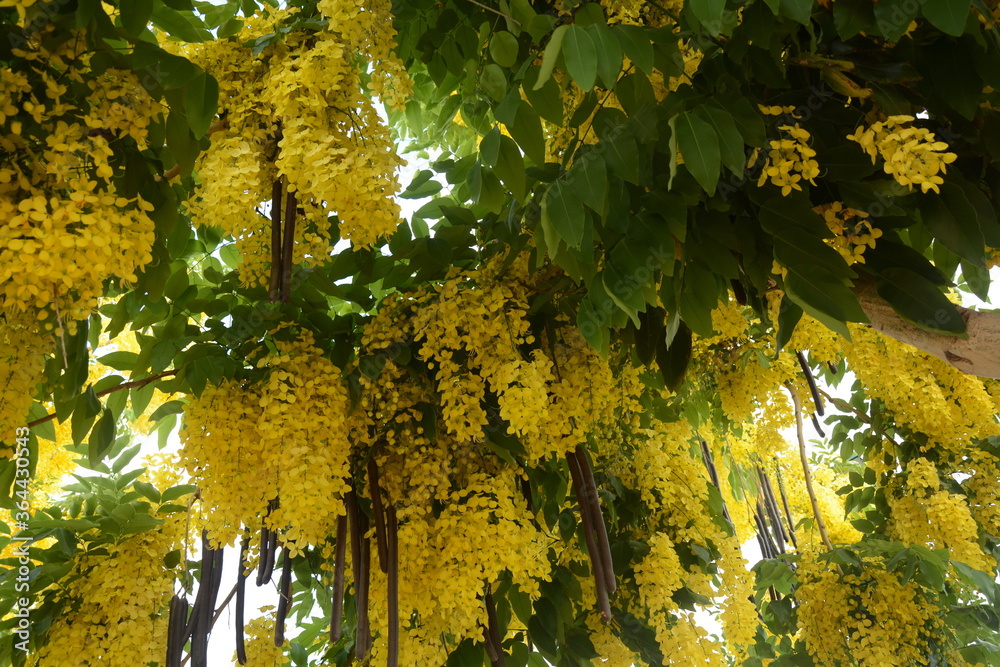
(978,354)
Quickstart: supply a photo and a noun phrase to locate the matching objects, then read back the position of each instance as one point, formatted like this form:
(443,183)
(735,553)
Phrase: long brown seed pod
(284,596)
(201,618)
(713,475)
(813,389)
(288,246)
(176,625)
(771,510)
(494,632)
(262,556)
(588,533)
(363,642)
(392,585)
(337,601)
(241,596)
(378,512)
(597,517)
(788,511)
(274,287)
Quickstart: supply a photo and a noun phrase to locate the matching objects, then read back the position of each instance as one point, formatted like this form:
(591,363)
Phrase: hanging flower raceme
(911,155)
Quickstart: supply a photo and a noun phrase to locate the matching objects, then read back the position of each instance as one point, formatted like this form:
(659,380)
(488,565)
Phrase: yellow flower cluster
(116,605)
(924,513)
(64,229)
(790,161)
(259,642)
(983,488)
(483,531)
(928,395)
(911,154)
(284,437)
(22,364)
(299,112)
(853,231)
(872,619)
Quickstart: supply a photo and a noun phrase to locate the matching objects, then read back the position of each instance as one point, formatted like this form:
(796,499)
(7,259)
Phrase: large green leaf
(637,46)
(919,301)
(609,53)
(699,146)
(730,139)
(509,167)
(581,57)
(503,48)
(709,12)
(947,15)
(201,101)
(135,15)
(562,211)
(551,55)
(588,178)
(953,221)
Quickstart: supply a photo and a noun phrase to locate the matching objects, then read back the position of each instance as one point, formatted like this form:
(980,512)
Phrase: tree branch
(125,385)
(805,465)
(979,354)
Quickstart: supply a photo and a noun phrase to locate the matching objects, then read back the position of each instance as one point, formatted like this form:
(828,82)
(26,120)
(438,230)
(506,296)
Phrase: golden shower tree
(538,419)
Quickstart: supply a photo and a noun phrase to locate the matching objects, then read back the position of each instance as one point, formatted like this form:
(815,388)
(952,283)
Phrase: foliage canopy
(538,419)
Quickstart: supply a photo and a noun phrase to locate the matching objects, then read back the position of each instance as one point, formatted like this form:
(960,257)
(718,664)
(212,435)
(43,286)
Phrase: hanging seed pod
(497,656)
(378,512)
(597,518)
(788,511)
(337,601)
(241,596)
(588,533)
(392,584)
(268,544)
(284,596)
(288,247)
(176,626)
(364,639)
(201,618)
(274,287)
(813,389)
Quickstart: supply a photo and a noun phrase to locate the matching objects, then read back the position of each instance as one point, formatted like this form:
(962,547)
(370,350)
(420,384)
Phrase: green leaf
(797,10)
(509,167)
(636,44)
(919,301)
(551,55)
(852,17)
(545,99)
(588,178)
(893,17)
(581,57)
(562,211)
(526,129)
(494,81)
(201,100)
(503,48)
(135,15)
(709,12)
(101,438)
(183,26)
(698,298)
(788,318)
(122,361)
(730,139)
(953,221)
(622,155)
(699,146)
(609,53)
(948,16)
(673,359)
(823,296)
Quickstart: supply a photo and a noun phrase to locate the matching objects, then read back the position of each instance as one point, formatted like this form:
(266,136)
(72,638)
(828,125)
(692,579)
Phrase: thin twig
(805,465)
(125,385)
(844,405)
(497,12)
